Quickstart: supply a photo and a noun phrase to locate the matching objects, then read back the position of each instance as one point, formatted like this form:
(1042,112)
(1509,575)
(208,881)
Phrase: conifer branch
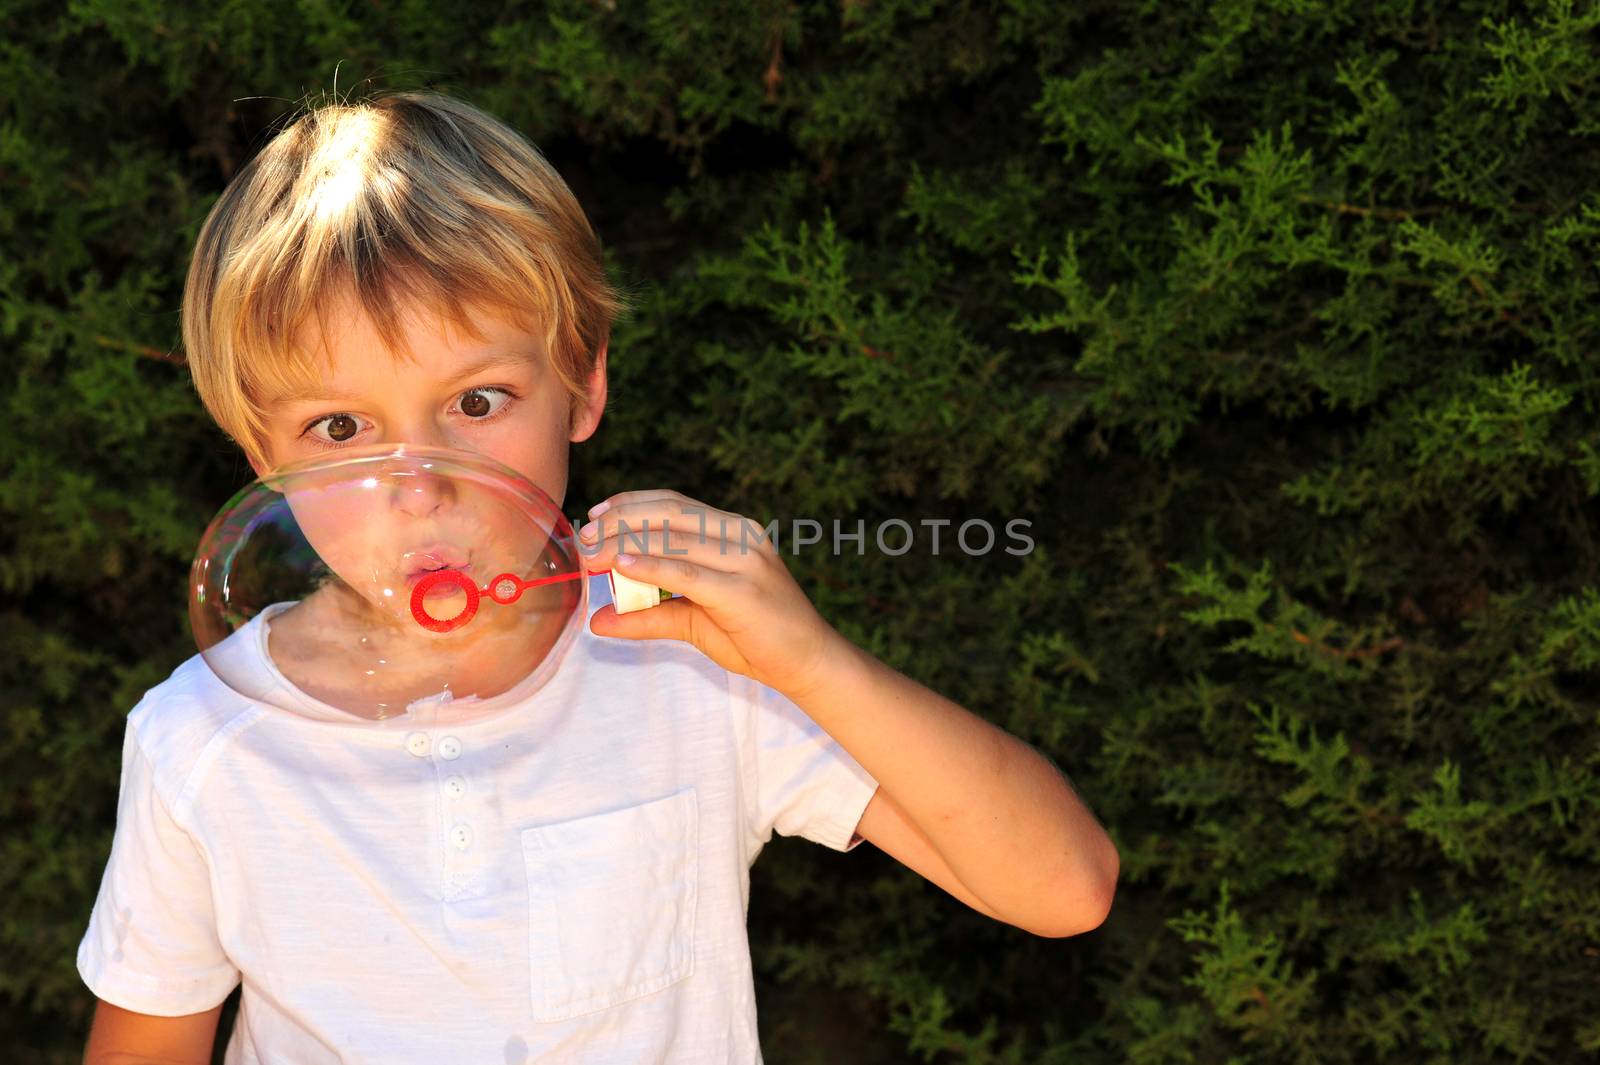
(140,349)
(774,75)
(1391,644)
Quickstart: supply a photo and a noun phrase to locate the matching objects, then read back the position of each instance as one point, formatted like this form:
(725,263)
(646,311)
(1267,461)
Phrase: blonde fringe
(407,200)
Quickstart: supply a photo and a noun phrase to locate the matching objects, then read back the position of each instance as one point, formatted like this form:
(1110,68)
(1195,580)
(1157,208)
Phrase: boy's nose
(419,494)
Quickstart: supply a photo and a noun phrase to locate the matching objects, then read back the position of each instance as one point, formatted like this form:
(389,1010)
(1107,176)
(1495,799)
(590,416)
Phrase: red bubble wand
(627,594)
(504,589)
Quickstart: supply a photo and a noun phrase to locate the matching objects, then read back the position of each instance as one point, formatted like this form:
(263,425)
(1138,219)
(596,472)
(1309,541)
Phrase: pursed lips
(433,557)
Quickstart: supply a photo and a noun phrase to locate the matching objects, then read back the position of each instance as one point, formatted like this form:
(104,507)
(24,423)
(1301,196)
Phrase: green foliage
(1276,320)
(1251,988)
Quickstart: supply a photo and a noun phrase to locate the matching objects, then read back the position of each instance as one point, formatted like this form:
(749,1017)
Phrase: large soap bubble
(377,580)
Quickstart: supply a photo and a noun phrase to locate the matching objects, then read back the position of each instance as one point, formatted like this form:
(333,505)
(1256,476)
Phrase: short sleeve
(798,780)
(152,944)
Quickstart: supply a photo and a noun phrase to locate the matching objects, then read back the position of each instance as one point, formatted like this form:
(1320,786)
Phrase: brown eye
(480,403)
(330,430)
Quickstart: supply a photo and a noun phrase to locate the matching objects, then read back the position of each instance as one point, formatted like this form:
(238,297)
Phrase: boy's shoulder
(179,720)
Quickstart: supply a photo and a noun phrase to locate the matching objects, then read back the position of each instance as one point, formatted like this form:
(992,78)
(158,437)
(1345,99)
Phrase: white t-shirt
(564,877)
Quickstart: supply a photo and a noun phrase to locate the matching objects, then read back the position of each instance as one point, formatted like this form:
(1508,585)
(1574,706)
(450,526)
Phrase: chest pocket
(611,905)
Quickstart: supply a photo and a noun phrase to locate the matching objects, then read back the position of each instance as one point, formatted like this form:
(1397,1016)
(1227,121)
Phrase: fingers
(667,542)
(625,498)
(668,524)
(669,621)
(675,619)
(695,580)
(657,504)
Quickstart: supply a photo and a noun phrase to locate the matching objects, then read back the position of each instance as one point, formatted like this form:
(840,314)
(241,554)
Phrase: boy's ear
(586,413)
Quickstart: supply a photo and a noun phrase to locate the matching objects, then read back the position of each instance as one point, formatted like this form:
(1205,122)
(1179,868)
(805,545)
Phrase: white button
(455,786)
(449,748)
(461,836)
(417,743)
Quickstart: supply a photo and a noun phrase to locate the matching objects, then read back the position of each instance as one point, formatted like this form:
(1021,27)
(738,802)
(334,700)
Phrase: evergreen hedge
(1276,318)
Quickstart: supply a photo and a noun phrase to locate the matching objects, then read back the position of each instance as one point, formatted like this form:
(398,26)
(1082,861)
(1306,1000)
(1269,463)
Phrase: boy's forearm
(1004,819)
(123,1037)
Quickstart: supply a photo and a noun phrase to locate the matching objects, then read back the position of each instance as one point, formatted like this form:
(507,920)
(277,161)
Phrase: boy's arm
(122,1037)
(152,939)
(964,803)
(888,828)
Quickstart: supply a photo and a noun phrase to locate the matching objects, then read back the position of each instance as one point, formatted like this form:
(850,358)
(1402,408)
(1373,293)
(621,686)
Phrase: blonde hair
(404,197)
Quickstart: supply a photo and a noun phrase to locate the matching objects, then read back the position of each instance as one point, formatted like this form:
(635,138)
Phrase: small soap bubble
(372,578)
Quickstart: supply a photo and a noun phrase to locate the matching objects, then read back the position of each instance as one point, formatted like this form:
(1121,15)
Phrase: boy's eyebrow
(320,392)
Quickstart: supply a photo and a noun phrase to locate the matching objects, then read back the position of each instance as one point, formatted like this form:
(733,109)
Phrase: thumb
(667,621)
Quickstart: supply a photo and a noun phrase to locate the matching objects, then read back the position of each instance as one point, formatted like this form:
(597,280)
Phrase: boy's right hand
(123,1037)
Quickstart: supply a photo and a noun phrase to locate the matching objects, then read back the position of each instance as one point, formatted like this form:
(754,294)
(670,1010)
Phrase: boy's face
(498,397)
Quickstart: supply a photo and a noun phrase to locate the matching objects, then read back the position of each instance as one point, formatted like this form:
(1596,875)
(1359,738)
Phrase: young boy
(566,877)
